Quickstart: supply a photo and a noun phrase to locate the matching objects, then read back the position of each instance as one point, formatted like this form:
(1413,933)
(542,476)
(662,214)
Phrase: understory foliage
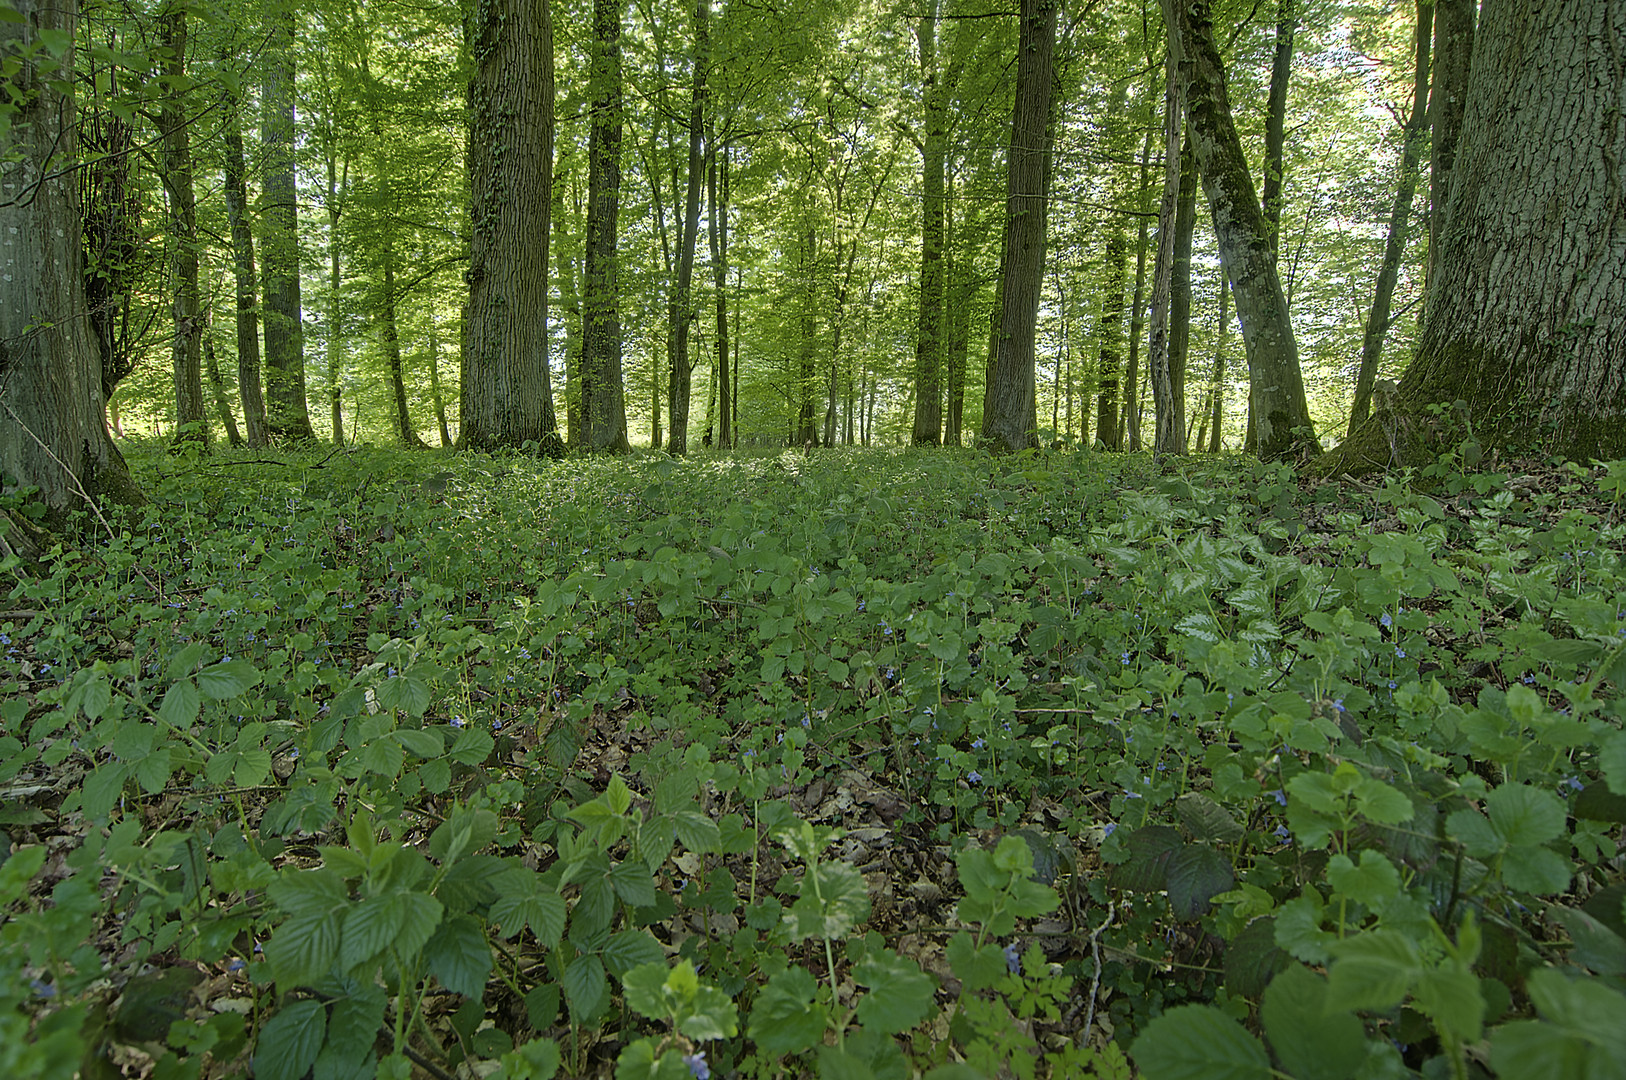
(850,765)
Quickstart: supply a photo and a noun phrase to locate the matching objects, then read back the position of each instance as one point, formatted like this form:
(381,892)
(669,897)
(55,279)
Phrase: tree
(682,305)
(247,291)
(928,427)
(1281,415)
(287,417)
(1523,323)
(603,405)
(191,422)
(1009,414)
(53,434)
(507,395)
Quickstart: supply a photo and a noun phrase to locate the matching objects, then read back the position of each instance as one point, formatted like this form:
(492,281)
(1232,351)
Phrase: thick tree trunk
(287,418)
(435,393)
(807,375)
(1185,226)
(1009,416)
(186,308)
(1524,324)
(682,297)
(507,396)
(1377,322)
(603,406)
(248,317)
(1169,435)
(1281,415)
(53,434)
(928,425)
(1448,95)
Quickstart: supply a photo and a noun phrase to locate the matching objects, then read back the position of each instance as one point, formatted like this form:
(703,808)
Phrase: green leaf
(1522,814)
(1298,928)
(1311,1042)
(1207,819)
(785,1018)
(1474,832)
(633,884)
(1536,870)
(1150,850)
(586,988)
(1373,970)
(180,705)
(976,968)
(711,1015)
(398,919)
(290,1040)
(537,1059)
(358,1013)
(1374,883)
(420,743)
(102,789)
(1199,1042)
(842,902)
(1381,803)
(228,679)
(628,949)
(644,988)
(1450,995)
(1594,945)
(1197,873)
(697,831)
(304,948)
(1254,958)
(1612,759)
(459,956)
(900,994)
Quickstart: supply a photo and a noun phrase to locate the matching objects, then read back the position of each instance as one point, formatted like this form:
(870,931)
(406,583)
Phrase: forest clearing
(1067,540)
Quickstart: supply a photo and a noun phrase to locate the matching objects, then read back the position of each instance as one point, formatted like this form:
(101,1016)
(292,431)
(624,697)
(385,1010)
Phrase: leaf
(1522,814)
(1207,819)
(586,988)
(1536,870)
(1311,1042)
(785,1018)
(459,956)
(102,789)
(1147,868)
(1474,832)
(290,1040)
(1198,1042)
(900,994)
(711,1015)
(228,679)
(358,1013)
(1612,759)
(841,903)
(420,743)
(1451,997)
(697,831)
(180,705)
(369,928)
(633,883)
(977,968)
(1381,803)
(1253,958)
(1373,970)
(1197,873)
(304,948)
(1599,803)
(1374,883)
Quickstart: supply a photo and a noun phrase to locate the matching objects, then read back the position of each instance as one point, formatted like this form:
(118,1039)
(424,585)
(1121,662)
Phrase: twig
(1095,978)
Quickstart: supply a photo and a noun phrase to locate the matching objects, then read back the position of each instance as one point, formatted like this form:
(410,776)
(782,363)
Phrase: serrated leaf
(976,967)
(628,949)
(253,766)
(1374,882)
(228,679)
(1298,929)
(1473,831)
(1449,995)
(420,743)
(1536,870)
(1381,803)
(1207,819)
(633,884)
(102,788)
(697,831)
(180,705)
(1310,1042)
(785,1018)
(1150,849)
(358,1013)
(1254,958)
(1197,873)
(1198,1042)
(1522,814)
(900,994)
(842,902)
(1374,970)
(586,989)
(369,927)
(290,1040)
(1599,803)
(459,956)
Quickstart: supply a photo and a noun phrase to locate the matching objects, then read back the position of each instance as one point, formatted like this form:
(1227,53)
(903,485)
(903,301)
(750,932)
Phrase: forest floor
(849,764)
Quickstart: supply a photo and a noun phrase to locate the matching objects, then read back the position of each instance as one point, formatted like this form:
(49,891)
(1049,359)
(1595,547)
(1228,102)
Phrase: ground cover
(852,764)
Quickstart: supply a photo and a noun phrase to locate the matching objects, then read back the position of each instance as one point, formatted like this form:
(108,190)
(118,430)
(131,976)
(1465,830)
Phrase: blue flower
(1386,620)
(974,776)
(1109,828)
(1283,835)
(1400,652)
(1279,795)
(1126,659)
(977,744)
(1013,959)
(697,1065)
(1529,680)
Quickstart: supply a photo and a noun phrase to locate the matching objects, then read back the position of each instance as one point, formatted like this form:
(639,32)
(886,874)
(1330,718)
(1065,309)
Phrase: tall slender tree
(249,389)
(186,366)
(682,308)
(287,416)
(928,423)
(1010,411)
(603,406)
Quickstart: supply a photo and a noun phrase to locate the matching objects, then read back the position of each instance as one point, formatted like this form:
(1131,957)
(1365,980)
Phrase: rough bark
(807,376)
(53,434)
(717,236)
(1009,413)
(186,309)
(1222,340)
(249,390)
(1281,415)
(507,397)
(603,405)
(337,184)
(682,296)
(1169,433)
(1448,94)
(1185,226)
(567,269)
(1377,321)
(117,254)
(1281,69)
(928,424)
(1524,326)
(287,417)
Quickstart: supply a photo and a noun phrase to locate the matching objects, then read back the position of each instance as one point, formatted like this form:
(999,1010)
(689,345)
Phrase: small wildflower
(1571,782)
(1109,828)
(1013,959)
(1392,684)
(1401,653)
(1529,679)
(1386,620)
(1126,659)
(1279,795)
(457,721)
(1283,835)
(974,776)
(977,744)
(697,1065)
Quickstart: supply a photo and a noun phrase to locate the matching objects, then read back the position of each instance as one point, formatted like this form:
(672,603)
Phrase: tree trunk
(1222,339)
(603,406)
(957,313)
(1185,225)
(1524,326)
(1115,272)
(507,396)
(1169,436)
(928,425)
(1377,323)
(434,385)
(1009,414)
(717,235)
(682,297)
(217,387)
(248,318)
(807,375)
(1281,69)
(570,303)
(1137,304)
(287,418)
(1448,95)
(52,431)
(337,185)
(186,368)
(1281,415)
(389,333)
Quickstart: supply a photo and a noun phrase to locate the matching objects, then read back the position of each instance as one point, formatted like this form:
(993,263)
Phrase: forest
(849,539)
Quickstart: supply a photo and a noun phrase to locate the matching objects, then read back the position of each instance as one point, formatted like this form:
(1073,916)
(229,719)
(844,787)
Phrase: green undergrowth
(850,765)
